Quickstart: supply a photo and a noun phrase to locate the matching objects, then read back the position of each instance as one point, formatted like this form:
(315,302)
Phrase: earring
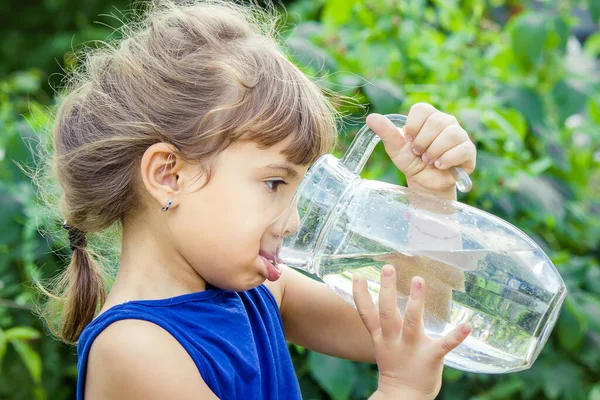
(166,208)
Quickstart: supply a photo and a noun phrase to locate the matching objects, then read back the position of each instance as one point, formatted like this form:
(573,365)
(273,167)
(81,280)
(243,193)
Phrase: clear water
(505,307)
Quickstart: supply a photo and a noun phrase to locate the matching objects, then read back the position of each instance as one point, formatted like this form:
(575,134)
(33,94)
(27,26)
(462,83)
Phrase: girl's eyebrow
(283,167)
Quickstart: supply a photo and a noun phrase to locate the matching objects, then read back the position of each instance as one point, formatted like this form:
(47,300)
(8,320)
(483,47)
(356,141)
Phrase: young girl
(192,134)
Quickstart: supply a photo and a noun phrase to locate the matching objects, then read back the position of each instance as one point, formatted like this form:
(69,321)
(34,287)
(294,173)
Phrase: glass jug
(478,268)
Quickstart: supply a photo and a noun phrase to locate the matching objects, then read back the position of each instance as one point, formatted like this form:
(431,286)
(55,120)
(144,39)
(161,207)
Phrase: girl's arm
(317,318)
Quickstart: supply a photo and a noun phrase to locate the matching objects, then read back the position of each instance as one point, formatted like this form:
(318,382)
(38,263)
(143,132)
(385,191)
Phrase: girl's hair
(196,75)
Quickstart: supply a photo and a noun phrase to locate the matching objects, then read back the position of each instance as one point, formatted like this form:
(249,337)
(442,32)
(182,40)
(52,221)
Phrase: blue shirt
(235,339)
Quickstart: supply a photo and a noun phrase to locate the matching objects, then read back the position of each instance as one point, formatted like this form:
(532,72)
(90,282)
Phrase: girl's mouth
(270,261)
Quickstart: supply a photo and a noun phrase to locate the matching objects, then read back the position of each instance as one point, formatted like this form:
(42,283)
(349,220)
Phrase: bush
(33,366)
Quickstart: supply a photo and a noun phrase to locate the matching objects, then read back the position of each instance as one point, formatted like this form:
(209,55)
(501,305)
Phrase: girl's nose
(287,223)
(293,222)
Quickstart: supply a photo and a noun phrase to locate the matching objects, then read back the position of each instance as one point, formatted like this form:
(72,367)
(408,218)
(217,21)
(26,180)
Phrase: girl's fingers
(413,316)
(390,135)
(417,116)
(462,155)
(446,344)
(364,304)
(450,137)
(388,306)
(431,129)
(388,322)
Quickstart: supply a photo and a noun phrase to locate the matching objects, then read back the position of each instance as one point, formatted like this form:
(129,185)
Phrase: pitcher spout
(297,259)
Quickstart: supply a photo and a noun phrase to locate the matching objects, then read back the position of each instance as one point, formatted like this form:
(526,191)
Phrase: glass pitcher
(478,268)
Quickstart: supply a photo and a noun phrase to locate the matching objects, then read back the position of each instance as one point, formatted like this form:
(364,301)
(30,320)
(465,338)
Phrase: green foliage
(42,34)
(32,365)
(532,108)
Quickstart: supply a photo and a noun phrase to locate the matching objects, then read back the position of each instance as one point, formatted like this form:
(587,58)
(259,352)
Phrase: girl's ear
(160,171)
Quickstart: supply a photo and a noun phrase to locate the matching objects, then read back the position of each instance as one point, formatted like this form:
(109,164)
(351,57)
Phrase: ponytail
(83,296)
(78,293)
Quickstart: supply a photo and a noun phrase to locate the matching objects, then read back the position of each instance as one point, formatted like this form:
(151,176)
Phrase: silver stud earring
(166,208)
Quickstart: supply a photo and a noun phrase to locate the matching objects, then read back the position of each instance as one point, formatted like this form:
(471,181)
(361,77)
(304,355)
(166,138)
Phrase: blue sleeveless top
(235,339)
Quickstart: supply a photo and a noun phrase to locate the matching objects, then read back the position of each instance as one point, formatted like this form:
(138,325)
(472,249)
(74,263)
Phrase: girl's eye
(273,184)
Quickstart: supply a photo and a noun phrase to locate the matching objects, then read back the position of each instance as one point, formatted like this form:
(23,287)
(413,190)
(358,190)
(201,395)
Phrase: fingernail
(466,328)
(417,284)
(416,151)
(388,271)
(425,159)
(415,290)
(438,163)
(354,278)
(408,138)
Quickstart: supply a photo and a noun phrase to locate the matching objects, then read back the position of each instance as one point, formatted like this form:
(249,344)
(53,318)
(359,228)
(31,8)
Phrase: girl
(192,135)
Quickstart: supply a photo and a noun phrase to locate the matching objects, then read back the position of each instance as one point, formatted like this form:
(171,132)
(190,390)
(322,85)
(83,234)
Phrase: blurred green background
(522,77)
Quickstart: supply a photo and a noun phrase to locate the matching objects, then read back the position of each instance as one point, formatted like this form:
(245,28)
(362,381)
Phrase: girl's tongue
(273,272)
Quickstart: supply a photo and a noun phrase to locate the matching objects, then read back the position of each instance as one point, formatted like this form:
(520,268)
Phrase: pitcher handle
(365,141)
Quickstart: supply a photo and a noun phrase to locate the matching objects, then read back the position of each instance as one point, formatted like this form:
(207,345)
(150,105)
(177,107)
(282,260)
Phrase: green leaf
(3,345)
(365,16)
(528,33)
(337,12)
(309,388)
(22,333)
(593,110)
(307,54)
(367,379)
(381,57)
(590,307)
(504,390)
(527,101)
(568,100)
(538,193)
(539,166)
(592,45)
(335,375)
(558,34)
(592,279)
(533,382)
(501,61)
(301,350)
(451,374)
(572,326)
(31,359)
(594,7)
(509,121)
(308,30)
(595,392)
(26,81)
(385,96)
(347,83)
(10,210)
(18,150)
(563,381)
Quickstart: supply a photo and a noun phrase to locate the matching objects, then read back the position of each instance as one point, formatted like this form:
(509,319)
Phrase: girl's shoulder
(201,331)
(139,359)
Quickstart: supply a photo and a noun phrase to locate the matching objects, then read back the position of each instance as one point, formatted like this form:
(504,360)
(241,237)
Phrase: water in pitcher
(506,312)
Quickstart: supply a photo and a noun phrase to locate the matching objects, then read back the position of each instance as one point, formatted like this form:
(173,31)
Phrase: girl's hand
(433,142)
(410,363)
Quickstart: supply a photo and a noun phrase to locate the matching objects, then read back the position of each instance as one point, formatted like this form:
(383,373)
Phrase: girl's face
(224,229)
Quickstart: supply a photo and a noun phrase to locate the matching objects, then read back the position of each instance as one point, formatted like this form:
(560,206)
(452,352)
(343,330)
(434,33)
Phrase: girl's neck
(150,268)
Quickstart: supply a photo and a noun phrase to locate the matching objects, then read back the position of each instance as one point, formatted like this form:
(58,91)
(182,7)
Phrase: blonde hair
(196,75)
